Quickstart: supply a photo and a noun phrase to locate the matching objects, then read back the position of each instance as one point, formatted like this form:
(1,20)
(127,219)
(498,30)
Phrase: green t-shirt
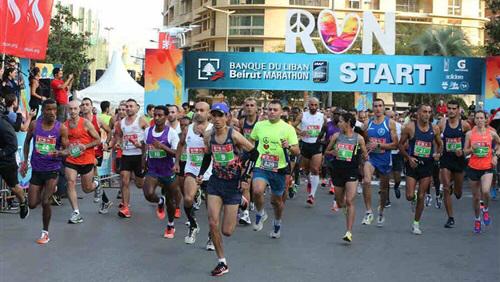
(148,119)
(104,118)
(269,136)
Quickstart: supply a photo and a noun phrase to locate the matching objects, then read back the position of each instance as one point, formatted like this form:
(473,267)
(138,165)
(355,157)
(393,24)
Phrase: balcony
(247,2)
(313,3)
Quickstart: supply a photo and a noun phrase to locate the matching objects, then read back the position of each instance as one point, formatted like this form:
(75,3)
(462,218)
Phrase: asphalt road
(109,248)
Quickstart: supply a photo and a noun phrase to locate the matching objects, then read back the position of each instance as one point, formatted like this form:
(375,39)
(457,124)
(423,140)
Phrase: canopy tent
(115,85)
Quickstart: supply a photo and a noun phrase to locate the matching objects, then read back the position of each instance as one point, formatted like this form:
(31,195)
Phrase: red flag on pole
(165,41)
(25,27)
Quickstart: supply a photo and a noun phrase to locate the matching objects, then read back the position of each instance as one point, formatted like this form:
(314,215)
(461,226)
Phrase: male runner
(192,140)
(424,147)
(452,162)
(274,137)
(382,139)
(161,142)
(49,136)
(82,139)
(131,134)
(397,161)
(311,129)
(175,124)
(223,188)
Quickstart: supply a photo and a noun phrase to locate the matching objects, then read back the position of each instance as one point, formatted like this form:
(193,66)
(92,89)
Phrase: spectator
(14,115)
(442,108)
(36,96)
(61,89)
(9,81)
(472,107)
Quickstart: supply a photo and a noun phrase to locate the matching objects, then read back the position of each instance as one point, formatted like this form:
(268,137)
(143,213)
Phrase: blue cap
(220,107)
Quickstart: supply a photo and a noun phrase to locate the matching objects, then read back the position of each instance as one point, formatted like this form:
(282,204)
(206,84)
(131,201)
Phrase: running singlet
(269,136)
(225,160)
(195,149)
(76,136)
(98,149)
(46,143)
(482,153)
(311,124)
(131,133)
(453,139)
(380,134)
(247,128)
(159,163)
(347,152)
(421,144)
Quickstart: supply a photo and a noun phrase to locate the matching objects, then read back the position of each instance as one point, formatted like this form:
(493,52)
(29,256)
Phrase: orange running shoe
(177,213)
(44,239)
(160,209)
(124,212)
(169,232)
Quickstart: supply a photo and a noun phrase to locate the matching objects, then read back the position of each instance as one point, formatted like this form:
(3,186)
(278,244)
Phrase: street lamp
(228,13)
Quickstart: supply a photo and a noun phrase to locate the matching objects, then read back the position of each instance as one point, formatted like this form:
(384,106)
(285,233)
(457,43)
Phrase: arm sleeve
(207,158)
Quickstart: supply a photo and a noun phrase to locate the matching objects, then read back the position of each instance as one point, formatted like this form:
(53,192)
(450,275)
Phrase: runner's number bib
(223,154)
(481,149)
(196,156)
(453,144)
(269,162)
(45,145)
(345,152)
(422,149)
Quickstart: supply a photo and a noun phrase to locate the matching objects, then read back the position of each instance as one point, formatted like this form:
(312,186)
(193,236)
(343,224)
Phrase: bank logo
(320,71)
(209,69)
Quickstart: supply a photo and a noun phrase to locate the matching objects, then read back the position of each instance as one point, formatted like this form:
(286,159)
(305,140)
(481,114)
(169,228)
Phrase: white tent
(115,85)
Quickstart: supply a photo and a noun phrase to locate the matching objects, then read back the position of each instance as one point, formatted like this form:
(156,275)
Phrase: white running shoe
(191,236)
(210,245)
(245,218)
(415,229)
(259,222)
(367,220)
(380,220)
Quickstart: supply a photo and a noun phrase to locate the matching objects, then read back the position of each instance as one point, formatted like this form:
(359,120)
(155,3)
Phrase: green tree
(492,46)
(66,47)
(447,41)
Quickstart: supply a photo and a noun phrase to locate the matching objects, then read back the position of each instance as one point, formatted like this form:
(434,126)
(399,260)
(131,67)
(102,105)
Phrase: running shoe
(335,207)
(291,191)
(276,233)
(24,210)
(397,192)
(449,223)
(415,229)
(308,189)
(244,203)
(44,238)
(493,193)
(259,221)
(220,269)
(347,237)
(177,213)
(439,201)
(124,212)
(191,236)
(367,220)
(97,191)
(486,217)
(388,204)
(477,226)
(252,206)
(210,245)
(380,220)
(310,200)
(197,200)
(332,190)
(428,200)
(245,218)
(169,232)
(160,209)
(75,218)
(105,207)
(55,200)
(359,189)
(119,195)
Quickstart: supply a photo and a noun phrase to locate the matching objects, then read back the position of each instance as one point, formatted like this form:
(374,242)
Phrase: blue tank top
(453,139)
(380,133)
(421,145)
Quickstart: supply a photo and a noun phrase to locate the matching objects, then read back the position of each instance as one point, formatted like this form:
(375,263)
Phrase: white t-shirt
(398,132)
(173,138)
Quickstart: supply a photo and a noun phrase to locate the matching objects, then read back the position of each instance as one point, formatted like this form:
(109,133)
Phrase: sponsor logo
(209,69)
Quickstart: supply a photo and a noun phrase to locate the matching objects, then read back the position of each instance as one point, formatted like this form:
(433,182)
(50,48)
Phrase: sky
(133,21)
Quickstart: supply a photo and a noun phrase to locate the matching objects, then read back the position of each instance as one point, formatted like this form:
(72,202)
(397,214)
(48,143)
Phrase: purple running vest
(44,143)
(159,163)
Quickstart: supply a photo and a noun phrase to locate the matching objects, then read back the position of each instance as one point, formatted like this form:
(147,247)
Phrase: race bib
(377,141)
(345,152)
(247,132)
(45,145)
(223,154)
(75,150)
(313,130)
(453,144)
(481,149)
(422,149)
(184,157)
(269,162)
(196,156)
(154,153)
(129,140)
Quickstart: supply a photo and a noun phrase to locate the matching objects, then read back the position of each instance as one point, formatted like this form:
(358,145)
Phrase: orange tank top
(79,135)
(482,154)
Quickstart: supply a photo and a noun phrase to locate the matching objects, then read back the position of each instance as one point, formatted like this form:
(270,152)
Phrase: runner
(49,136)
(345,147)
(311,129)
(273,136)
(383,138)
(82,139)
(397,161)
(192,140)
(175,124)
(161,142)
(424,144)
(223,145)
(478,143)
(246,126)
(130,134)
(452,162)
(184,122)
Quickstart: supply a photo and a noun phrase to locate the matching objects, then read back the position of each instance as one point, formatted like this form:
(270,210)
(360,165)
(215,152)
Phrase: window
(247,2)
(455,7)
(241,48)
(247,25)
(316,3)
(186,7)
(354,4)
(407,6)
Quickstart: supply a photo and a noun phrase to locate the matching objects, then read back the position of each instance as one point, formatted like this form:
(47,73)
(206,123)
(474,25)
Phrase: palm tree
(447,41)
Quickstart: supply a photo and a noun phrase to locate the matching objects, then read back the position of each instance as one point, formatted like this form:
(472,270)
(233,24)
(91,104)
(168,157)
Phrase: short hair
(423,105)
(133,100)
(349,118)
(275,102)
(175,106)
(55,71)
(88,99)
(49,101)
(105,106)
(453,102)
(149,107)
(248,99)
(480,112)
(185,104)
(10,99)
(162,108)
(379,100)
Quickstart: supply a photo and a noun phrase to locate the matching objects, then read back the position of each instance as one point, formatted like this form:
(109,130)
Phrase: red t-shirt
(60,94)
(442,109)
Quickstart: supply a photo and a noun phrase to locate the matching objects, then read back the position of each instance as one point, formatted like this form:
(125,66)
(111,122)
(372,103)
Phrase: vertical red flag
(25,27)
(165,41)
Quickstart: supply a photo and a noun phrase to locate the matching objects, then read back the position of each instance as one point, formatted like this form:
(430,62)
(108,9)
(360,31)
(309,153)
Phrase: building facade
(259,25)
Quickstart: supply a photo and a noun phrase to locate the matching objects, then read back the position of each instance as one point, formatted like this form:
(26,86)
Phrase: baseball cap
(220,107)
